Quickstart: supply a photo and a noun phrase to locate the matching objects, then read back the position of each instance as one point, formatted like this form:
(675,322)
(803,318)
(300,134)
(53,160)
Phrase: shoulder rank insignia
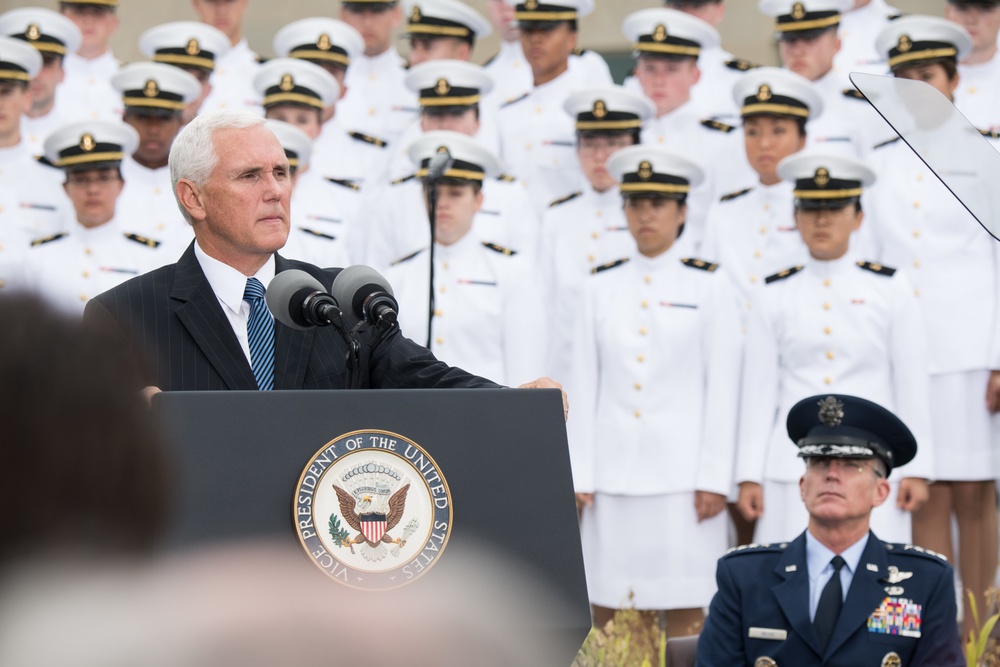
(781,275)
(877,268)
(499,248)
(507,178)
(718,125)
(489,61)
(563,200)
(44,161)
(347,183)
(407,257)
(734,195)
(699,264)
(47,239)
(893,17)
(990,134)
(368,139)
(609,265)
(914,550)
(883,144)
(579,52)
(854,94)
(313,232)
(741,65)
(404,179)
(260,59)
(513,100)
(143,240)
(759,548)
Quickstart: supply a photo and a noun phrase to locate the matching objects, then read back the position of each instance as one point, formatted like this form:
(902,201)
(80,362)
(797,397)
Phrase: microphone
(369,295)
(299,301)
(439,164)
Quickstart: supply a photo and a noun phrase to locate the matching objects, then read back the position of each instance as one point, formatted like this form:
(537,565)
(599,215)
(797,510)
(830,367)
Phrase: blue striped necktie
(260,334)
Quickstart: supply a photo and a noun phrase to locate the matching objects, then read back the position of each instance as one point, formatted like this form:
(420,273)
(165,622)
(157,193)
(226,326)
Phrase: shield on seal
(373,526)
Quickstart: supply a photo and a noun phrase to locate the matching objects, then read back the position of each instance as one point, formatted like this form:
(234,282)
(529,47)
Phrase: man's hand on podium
(148,394)
(549,383)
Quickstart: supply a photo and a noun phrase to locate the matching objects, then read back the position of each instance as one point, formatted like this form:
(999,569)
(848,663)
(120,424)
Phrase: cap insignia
(831,411)
(531,5)
(763,93)
(798,11)
(442,87)
(287,82)
(324,44)
(193,48)
(151,89)
(904,44)
(33,33)
(441,149)
(87,142)
(645,170)
(660,33)
(415,15)
(600,109)
(822,177)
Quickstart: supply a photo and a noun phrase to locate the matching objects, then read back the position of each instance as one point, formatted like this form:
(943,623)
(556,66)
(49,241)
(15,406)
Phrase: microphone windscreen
(355,281)
(284,299)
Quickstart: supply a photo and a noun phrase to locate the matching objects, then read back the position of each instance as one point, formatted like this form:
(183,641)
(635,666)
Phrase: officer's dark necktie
(830,602)
(260,334)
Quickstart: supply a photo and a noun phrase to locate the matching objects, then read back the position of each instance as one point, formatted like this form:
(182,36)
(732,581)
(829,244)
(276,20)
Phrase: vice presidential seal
(373,510)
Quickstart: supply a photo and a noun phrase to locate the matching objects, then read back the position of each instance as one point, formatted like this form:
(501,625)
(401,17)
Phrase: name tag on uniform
(768,633)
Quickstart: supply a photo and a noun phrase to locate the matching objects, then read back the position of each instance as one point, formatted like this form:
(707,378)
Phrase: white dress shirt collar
(228,283)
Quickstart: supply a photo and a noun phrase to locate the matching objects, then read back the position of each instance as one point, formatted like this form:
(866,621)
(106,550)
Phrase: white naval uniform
(86,92)
(377,101)
(488,316)
(834,327)
(858,30)
(360,158)
(324,214)
(751,233)
(34,131)
(578,234)
(687,132)
(954,265)
(847,126)
(14,242)
(399,224)
(538,137)
(232,81)
(654,420)
(71,269)
(978,93)
(147,207)
(44,208)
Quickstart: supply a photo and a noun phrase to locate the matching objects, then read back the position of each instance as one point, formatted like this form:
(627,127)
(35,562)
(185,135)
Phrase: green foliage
(337,532)
(982,650)
(627,640)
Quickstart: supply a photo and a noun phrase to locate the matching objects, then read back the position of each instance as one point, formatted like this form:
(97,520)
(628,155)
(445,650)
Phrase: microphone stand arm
(432,197)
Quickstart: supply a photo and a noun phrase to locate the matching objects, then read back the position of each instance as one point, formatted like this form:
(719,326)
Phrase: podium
(246,464)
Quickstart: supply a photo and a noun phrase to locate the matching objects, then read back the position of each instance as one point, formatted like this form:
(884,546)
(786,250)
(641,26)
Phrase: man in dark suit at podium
(202,323)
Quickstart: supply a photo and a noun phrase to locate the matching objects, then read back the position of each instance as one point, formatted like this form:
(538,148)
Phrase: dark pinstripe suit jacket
(172,321)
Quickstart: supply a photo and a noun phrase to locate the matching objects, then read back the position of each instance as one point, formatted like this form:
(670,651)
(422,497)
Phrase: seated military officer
(836,595)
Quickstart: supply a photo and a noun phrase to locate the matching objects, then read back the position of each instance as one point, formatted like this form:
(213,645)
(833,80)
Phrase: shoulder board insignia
(499,248)
(914,550)
(781,275)
(853,94)
(885,143)
(47,239)
(44,161)
(313,232)
(350,185)
(143,240)
(741,64)
(717,125)
(489,61)
(893,17)
(579,52)
(756,548)
(514,100)
(507,178)
(877,268)
(368,139)
(699,264)
(260,59)
(404,179)
(563,200)
(990,134)
(610,265)
(406,258)
(734,195)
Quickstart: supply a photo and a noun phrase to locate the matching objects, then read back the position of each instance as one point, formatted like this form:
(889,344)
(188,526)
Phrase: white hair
(193,155)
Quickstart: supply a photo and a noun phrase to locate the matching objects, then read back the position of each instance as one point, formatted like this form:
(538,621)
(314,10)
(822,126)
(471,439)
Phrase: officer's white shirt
(578,235)
(978,93)
(488,316)
(831,327)
(512,75)
(653,387)
(954,265)
(538,137)
(44,207)
(399,224)
(86,92)
(232,81)
(34,131)
(147,207)
(14,241)
(377,101)
(753,235)
(858,30)
(361,159)
(323,216)
(847,126)
(72,269)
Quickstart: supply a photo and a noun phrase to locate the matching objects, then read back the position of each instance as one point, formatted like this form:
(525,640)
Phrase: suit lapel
(291,346)
(865,594)
(202,316)
(793,592)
